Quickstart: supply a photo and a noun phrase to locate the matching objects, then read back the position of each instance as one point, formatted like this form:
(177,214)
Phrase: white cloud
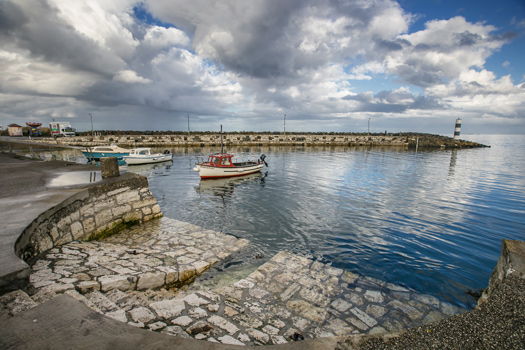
(129,76)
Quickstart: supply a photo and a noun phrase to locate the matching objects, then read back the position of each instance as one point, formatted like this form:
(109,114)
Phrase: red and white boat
(222,165)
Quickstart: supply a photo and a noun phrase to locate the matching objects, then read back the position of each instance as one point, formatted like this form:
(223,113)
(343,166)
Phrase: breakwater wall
(95,212)
(160,140)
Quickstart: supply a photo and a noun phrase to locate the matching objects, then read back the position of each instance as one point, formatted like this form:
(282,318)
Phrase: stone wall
(198,140)
(510,262)
(97,211)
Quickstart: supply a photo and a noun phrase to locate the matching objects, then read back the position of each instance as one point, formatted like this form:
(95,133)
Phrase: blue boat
(95,153)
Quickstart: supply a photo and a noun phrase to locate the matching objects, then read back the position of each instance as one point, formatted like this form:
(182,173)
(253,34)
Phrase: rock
(341,305)
(223,324)
(230,340)
(199,327)
(373,296)
(259,336)
(151,280)
(194,300)
(182,321)
(16,302)
(121,282)
(369,321)
(141,314)
(168,308)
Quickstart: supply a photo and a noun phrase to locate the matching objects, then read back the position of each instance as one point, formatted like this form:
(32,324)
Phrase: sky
(265,65)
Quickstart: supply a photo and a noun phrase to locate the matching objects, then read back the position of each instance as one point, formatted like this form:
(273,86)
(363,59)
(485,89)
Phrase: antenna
(221,141)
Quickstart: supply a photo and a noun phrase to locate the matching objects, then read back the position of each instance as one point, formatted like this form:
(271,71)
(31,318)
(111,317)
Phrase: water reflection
(224,187)
(75,178)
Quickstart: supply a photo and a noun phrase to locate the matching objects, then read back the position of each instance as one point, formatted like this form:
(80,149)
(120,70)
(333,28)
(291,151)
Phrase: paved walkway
(24,194)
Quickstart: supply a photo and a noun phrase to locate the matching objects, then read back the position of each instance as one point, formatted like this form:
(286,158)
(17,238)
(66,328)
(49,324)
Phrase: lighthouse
(457,129)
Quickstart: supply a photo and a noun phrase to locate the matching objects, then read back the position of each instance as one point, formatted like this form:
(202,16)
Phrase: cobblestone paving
(288,298)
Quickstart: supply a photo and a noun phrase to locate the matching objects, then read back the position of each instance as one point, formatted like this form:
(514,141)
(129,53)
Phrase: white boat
(222,165)
(144,156)
(95,153)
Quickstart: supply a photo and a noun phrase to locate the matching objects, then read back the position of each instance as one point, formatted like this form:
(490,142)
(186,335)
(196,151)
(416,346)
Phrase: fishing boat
(222,165)
(95,153)
(144,156)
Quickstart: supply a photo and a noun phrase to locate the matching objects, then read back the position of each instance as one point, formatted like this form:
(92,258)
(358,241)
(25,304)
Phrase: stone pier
(134,277)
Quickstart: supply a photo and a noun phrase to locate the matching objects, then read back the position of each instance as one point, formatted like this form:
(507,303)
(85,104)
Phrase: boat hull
(150,159)
(209,172)
(97,155)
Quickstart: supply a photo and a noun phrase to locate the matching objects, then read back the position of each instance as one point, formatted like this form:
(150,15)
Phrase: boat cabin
(220,160)
(140,151)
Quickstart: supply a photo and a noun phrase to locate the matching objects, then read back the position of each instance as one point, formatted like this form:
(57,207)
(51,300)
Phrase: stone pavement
(128,278)
(24,195)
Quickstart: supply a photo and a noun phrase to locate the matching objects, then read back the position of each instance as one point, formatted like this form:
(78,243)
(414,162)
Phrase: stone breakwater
(160,140)
(128,277)
(96,211)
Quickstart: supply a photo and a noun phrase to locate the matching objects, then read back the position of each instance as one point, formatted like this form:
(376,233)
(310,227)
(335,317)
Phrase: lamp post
(369,126)
(92,134)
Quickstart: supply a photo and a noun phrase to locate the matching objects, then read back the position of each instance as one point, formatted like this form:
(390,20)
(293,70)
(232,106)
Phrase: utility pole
(369,126)
(284,123)
(92,134)
(188,125)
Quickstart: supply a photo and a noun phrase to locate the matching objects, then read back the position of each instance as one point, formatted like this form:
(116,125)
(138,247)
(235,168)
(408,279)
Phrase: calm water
(432,221)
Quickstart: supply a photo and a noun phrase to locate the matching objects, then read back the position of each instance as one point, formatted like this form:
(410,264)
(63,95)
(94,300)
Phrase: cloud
(246,62)
(129,76)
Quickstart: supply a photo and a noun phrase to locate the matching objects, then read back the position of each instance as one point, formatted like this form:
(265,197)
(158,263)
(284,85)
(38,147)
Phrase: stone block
(77,231)
(89,225)
(141,314)
(120,282)
(103,217)
(168,308)
(128,197)
(223,324)
(186,272)
(151,280)
(87,286)
(109,167)
(121,210)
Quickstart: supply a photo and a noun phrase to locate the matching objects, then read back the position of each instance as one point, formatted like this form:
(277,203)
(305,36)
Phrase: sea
(431,220)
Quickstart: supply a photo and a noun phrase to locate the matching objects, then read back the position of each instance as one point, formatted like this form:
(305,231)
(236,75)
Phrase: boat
(144,156)
(222,165)
(95,153)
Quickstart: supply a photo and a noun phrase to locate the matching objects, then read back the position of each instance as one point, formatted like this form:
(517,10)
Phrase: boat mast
(221,140)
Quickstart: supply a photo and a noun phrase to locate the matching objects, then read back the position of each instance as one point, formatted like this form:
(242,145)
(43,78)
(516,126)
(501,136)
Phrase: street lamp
(369,126)
(92,134)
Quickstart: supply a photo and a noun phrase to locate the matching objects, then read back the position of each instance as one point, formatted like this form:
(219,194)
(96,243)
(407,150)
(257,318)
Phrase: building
(14,130)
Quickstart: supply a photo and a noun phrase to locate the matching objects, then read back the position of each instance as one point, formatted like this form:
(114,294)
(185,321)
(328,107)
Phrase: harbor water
(431,220)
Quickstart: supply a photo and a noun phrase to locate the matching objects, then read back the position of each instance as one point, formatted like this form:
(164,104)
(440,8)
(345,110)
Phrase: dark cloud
(38,29)
(467,38)
(11,17)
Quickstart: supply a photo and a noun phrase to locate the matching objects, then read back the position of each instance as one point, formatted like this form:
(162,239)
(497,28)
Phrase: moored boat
(95,153)
(144,156)
(222,165)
